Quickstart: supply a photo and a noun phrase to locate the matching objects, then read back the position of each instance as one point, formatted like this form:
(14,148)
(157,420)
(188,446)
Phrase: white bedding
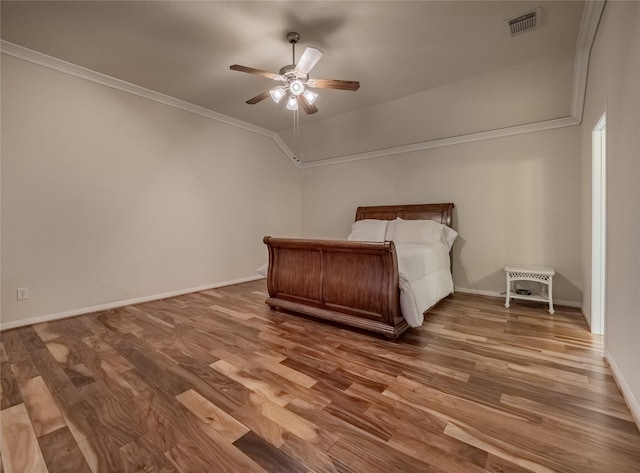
(425,278)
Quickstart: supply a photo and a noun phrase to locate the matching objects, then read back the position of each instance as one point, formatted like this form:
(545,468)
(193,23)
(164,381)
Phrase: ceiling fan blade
(309,58)
(258,72)
(258,98)
(352,85)
(308,107)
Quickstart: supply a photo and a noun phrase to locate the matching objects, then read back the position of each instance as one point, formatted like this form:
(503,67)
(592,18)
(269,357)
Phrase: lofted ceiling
(394,48)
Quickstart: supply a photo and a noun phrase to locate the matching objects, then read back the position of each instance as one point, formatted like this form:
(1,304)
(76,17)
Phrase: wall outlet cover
(22,293)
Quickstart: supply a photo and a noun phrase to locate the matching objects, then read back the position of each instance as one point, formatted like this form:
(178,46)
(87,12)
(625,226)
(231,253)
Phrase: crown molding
(65,67)
(454,140)
(586,35)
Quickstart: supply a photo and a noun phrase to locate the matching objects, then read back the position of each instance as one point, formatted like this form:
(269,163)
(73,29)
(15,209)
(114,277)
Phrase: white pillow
(449,235)
(368,230)
(427,232)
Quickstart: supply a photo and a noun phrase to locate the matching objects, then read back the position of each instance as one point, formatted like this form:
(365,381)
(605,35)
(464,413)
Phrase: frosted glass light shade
(296,87)
(276,94)
(310,96)
(292,103)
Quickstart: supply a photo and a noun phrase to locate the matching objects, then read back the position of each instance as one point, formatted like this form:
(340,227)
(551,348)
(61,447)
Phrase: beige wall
(108,197)
(517,201)
(614,86)
(517,198)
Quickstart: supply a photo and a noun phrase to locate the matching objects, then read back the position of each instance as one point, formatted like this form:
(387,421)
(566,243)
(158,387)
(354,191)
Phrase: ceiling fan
(295,81)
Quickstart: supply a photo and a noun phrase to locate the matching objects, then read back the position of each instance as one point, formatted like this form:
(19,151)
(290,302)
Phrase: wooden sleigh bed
(349,282)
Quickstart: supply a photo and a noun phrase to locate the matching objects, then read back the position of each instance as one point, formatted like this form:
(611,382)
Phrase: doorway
(598,224)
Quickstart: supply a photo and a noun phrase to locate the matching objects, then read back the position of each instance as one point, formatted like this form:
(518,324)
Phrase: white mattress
(425,278)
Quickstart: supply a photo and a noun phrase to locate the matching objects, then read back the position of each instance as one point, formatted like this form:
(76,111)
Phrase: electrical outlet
(22,293)
(259,261)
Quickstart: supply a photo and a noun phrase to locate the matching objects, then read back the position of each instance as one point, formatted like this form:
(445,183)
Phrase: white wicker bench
(539,274)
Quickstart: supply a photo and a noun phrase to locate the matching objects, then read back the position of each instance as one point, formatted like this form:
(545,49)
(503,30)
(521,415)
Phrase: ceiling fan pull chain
(296,142)
(295,127)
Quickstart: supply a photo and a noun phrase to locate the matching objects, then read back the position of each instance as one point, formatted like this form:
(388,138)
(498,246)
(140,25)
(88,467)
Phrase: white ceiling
(394,48)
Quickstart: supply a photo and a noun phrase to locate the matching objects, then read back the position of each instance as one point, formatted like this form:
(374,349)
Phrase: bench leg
(506,302)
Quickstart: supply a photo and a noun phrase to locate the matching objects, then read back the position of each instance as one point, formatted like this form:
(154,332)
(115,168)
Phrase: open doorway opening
(598,224)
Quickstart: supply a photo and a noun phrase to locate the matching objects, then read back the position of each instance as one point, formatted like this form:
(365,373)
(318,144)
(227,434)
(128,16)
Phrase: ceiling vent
(527,22)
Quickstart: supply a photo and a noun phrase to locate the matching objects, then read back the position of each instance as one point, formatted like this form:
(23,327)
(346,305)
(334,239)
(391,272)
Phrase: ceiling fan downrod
(293,38)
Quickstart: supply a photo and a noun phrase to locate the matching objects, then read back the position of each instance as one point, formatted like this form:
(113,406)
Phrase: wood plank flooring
(217,382)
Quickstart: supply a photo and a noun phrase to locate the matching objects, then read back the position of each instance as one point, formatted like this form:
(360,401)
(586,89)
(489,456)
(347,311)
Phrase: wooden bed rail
(354,283)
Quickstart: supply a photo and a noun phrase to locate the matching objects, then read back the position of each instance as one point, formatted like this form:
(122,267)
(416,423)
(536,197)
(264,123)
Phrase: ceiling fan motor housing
(290,74)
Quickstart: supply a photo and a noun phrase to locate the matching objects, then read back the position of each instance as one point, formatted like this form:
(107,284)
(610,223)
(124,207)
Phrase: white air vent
(527,22)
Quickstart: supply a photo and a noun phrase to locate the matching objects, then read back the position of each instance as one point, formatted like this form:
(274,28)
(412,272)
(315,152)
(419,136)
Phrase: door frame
(598,223)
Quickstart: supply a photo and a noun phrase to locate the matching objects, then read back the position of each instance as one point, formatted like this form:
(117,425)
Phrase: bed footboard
(354,283)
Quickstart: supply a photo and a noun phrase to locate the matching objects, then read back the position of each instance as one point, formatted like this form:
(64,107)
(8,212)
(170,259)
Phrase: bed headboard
(441,213)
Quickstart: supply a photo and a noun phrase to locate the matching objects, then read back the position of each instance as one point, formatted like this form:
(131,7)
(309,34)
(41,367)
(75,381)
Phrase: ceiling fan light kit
(295,80)
(296,87)
(292,103)
(277,93)
(310,96)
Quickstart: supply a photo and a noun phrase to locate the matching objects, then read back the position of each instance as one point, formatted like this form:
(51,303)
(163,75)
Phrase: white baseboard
(630,399)
(121,303)
(501,295)
(479,292)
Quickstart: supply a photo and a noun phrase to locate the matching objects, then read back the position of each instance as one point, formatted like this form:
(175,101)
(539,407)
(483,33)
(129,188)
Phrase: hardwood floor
(217,382)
